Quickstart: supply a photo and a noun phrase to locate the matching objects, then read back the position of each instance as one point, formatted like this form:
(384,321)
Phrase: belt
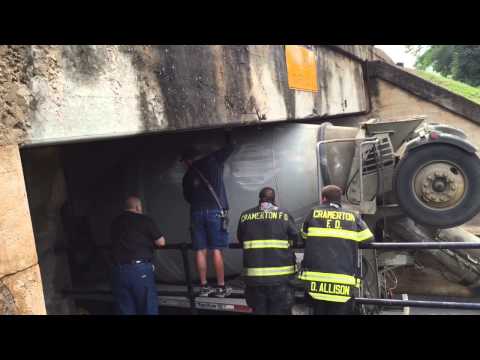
(134,262)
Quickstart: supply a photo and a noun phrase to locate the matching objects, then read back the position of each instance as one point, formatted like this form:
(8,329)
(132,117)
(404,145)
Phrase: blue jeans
(134,289)
(207,232)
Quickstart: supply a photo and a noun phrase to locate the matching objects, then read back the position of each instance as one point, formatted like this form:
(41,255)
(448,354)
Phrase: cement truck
(430,171)
(411,181)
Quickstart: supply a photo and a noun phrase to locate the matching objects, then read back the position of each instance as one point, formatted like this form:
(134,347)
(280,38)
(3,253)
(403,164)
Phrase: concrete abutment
(21,290)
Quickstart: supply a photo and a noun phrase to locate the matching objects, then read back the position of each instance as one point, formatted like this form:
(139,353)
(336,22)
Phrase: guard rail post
(188,278)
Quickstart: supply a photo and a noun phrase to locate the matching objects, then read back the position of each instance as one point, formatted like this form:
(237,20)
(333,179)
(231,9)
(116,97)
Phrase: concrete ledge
(424,89)
(358,52)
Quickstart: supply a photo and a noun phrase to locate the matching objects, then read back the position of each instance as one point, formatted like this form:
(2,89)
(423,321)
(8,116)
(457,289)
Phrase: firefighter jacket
(330,260)
(267,237)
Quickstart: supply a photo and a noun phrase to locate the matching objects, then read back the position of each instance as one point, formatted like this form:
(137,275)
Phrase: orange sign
(301,68)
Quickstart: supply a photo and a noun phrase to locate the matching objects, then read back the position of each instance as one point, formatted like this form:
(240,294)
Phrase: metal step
(175,296)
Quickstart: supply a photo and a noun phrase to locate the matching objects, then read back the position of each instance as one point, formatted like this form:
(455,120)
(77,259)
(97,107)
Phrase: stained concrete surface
(17,246)
(47,196)
(86,91)
(15,96)
(20,283)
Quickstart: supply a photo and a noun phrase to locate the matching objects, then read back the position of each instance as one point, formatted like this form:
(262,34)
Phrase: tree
(416,50)
(466,64)
(460,62)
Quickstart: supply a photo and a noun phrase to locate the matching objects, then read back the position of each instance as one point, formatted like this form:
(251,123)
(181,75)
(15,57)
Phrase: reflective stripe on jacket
(332,235)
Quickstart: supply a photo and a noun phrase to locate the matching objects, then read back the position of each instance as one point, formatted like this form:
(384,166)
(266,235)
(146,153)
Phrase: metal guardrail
(420,303)
(374,245)
(185,247)
(421,245)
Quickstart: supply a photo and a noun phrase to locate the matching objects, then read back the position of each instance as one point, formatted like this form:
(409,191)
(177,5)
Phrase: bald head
(133,204)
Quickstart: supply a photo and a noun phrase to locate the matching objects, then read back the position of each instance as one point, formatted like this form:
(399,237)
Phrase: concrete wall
(47,194)
(85,92)
(15,98)
(390,102)
(20,283)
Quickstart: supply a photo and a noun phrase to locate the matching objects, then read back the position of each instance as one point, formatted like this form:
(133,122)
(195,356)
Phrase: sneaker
(205,291)
(223,291)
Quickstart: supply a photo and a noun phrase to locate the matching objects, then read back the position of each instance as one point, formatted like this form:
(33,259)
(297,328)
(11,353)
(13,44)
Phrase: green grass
(457,87)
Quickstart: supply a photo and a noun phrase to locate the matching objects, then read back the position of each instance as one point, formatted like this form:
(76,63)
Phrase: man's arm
(156,235)
(222,155)
(292,231)
(363,232)
(304,227)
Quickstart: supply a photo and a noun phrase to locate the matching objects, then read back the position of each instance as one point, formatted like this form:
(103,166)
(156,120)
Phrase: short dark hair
(332,193)
(267,194)
(189,153)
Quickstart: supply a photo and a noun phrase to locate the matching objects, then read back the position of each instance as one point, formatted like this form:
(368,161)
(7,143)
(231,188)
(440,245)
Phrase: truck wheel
(439,185)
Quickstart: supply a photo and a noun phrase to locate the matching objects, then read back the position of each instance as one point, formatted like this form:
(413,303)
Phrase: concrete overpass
(95,92)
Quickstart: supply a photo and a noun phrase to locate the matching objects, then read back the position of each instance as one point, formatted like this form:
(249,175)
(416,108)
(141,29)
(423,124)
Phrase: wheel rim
(440,185)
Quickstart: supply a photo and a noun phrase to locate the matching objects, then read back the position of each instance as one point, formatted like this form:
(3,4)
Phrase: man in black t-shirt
(134,237)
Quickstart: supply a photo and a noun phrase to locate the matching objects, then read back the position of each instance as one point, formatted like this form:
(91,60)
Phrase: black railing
(419,303)
(421,245)
(185,247)
(374,245)
(416,246)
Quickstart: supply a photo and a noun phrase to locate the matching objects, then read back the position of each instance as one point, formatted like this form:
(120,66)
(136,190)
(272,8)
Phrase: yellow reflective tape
(339,233)
(326,297)
(266,244)
(328,277)
(272,271)
(364,235)
(303,234)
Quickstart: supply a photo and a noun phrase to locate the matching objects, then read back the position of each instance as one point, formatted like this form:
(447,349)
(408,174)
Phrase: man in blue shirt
(206,221)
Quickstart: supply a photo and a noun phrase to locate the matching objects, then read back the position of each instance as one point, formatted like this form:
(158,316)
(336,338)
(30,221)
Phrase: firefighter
(267,234)
(330,262)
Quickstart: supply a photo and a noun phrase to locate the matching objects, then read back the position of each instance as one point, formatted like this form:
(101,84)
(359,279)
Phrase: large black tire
(415,208)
